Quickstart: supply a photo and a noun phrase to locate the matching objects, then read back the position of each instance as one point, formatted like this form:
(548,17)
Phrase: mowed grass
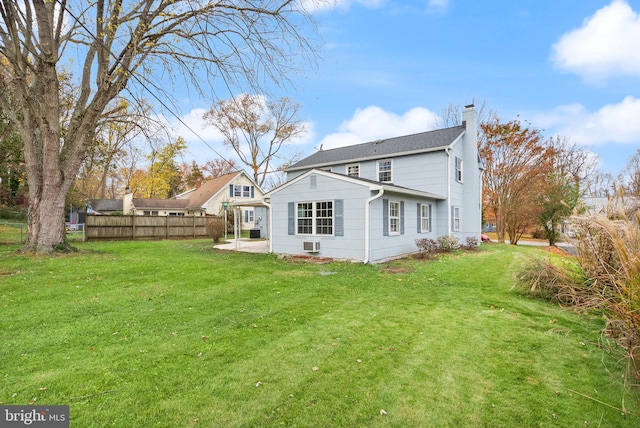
(177,334)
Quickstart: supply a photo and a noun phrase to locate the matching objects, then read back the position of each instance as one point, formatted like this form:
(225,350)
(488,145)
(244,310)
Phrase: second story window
(384,171)
(459,170)
(353,170)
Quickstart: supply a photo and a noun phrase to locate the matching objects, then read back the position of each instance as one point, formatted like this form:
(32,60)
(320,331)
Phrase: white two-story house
(371,201)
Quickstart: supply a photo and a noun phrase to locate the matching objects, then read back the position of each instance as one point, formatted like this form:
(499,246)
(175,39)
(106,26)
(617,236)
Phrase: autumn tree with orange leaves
(517,162)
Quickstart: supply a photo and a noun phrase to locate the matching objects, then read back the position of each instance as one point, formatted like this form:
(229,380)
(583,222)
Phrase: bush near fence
(145,227)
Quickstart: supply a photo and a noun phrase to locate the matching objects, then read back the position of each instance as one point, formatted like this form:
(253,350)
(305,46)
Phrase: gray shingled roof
(106,204)
(424,141)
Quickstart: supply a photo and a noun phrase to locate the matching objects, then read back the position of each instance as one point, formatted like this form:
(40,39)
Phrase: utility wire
(142,83)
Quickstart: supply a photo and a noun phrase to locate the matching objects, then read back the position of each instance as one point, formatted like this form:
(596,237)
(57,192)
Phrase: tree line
(531,183)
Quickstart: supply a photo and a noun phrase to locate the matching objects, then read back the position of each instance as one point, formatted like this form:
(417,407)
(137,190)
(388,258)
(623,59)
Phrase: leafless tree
(113,46)
(580,165)
(115,137)
(451,115)
(257,129)
(630,176)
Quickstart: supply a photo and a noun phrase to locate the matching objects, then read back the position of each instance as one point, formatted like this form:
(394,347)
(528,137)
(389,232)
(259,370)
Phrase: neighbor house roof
(192,199)
(199,197)
(408,144)
(142,203)
(102,205)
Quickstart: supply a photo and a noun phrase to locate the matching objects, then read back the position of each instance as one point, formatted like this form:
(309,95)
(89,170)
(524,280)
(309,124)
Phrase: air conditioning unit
(311,246)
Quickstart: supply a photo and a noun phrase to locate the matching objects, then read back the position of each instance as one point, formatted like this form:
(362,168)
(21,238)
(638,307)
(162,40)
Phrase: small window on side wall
(455,219)
(459,170)
(425,218)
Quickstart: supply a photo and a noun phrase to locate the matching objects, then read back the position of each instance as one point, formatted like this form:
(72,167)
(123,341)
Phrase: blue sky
(388,68)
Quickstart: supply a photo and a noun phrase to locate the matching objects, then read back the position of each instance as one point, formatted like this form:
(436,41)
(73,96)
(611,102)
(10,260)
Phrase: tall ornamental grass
(609,254)
(607,277)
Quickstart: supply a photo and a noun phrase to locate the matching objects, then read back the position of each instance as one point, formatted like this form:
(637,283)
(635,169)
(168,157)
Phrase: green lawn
(176,334)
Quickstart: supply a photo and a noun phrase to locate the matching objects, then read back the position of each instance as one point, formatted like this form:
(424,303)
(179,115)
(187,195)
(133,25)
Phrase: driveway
(567,247)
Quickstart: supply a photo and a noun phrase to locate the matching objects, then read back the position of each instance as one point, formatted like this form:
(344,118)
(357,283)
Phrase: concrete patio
(245,245)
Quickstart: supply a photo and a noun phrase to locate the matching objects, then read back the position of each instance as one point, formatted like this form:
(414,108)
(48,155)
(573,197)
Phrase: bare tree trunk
(46,227)
(47,191)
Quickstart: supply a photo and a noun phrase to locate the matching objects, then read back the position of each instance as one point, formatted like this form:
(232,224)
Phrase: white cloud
(606,45)
(192,127)
(438,5)
(613,123)
(205,142)
(372,123)
(313,6)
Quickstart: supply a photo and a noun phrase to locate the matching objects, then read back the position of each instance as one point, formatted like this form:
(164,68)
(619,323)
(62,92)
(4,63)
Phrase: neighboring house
(208,198)
(611,206)
(104,206)
(370,202)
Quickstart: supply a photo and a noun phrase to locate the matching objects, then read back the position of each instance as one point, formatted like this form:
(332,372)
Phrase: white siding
(391,246)
(350,245)
(424,171)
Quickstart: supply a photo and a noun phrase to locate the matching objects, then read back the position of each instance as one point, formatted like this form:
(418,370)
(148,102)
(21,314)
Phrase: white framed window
(145,212)
(304,219)
(394,218)
(425,218)
(314,218)
(175,214)
(459,170)
(324,218)
(353,170)
(248,216)
(240,191)
(455,219)
(385,171)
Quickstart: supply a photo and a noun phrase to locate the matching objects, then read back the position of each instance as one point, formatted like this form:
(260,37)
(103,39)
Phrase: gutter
(367,230)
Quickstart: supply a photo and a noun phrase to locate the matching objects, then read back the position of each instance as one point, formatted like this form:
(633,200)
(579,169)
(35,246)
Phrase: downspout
(367,226)
(448,191)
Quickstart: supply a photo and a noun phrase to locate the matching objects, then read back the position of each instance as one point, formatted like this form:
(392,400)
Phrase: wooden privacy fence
(133,227)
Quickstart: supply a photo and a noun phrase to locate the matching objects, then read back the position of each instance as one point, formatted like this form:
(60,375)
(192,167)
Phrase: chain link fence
(16,232)
(12,232)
